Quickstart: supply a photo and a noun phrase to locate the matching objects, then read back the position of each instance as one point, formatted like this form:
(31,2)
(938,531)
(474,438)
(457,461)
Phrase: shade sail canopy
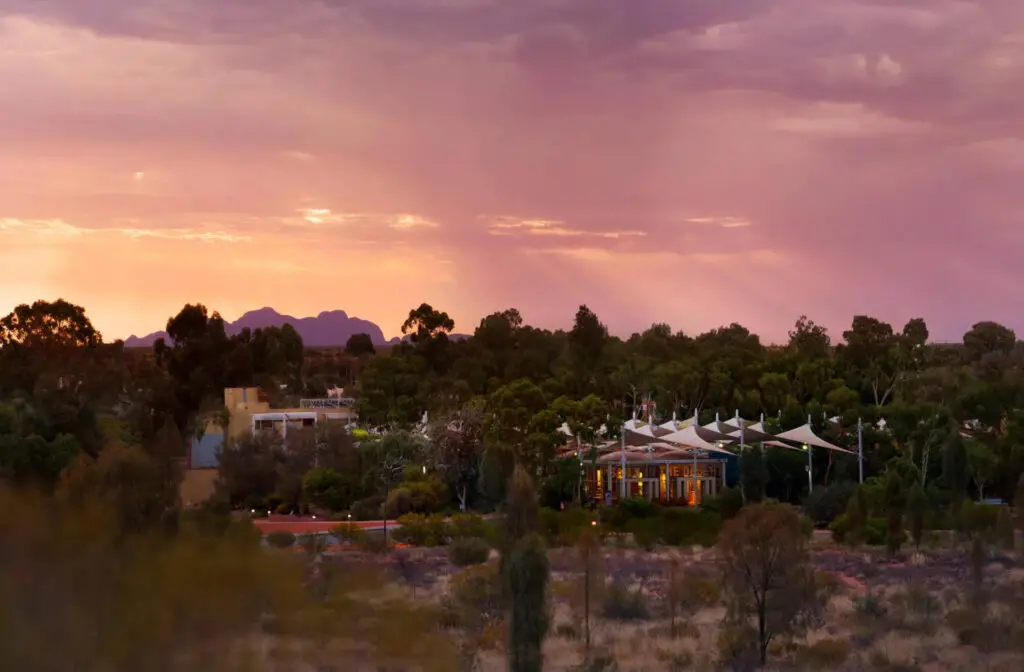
(674,425)
(656,452)
(690,437)
(638,439)
(751,435)
(713,431)
(804,434)
(735,423)
(780,444)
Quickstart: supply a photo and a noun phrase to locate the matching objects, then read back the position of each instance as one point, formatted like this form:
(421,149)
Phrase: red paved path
(303,525)
(297,525)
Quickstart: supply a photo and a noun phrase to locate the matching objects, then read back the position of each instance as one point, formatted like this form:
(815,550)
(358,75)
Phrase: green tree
(955,471)
(525,569)
(587,342)
(325,489)
(917,506)
(767,578)
(457,448)
(360,345)
(895,508)
(520,424)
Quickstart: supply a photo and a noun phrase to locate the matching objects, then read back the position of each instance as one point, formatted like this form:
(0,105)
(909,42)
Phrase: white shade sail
(713,431)
(805,435)
(688,436)
(675,425)
(751,435)
(780,444)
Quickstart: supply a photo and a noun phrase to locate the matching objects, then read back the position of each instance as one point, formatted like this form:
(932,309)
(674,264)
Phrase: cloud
(842,153)
(724,222)
(59,229)
(516,226)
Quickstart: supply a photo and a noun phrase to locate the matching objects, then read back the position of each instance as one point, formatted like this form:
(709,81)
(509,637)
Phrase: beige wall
(243,403)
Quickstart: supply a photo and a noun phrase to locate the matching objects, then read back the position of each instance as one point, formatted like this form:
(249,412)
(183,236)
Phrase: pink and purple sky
(697,162)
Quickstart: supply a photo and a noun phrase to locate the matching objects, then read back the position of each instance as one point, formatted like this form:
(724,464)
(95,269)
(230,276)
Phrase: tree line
(498,397)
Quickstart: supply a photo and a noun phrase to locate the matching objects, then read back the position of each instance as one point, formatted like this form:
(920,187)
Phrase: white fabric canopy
(688,437)
(714,432)
(804,434)
(674,425)
(751,435)
(736,423)
(780,444)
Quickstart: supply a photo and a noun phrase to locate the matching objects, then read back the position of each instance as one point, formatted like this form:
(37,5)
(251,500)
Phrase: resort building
(248,411)
(640,466)
(677,462)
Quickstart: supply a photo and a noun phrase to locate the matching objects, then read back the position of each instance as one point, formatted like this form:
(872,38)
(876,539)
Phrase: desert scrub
(622,603)
(468,551)
(420,530)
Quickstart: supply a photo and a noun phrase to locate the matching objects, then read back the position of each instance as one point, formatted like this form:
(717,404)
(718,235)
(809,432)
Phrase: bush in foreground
(468,551)
(188,600)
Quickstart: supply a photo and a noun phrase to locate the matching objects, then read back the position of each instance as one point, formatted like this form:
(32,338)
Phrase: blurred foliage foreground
(78,593)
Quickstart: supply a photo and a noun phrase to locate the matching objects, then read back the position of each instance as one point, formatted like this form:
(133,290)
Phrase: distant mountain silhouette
(329,329)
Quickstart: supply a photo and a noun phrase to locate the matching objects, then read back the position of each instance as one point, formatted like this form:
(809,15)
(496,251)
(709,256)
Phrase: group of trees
(498,397)
(914,397)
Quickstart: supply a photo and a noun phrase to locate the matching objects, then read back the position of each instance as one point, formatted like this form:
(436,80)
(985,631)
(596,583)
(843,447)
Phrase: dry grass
(896,617)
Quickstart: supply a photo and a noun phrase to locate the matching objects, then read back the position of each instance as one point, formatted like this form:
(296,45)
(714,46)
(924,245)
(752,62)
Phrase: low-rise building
(249,412)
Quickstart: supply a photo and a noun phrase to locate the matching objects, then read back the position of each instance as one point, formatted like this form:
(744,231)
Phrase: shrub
(421,530)
(281,539)
(806,526)
(826,504)
(466,551)
(352,534)
(727,503)
(824,654)
(638,507)
(978,518)
(645,532)
(465,525)
(875,531)
(618,517)
(367,509)
(689,527)
(475,593)
(550,524)
(526,580)
(1003,534)
(624,604)
(399,502)
(564,528)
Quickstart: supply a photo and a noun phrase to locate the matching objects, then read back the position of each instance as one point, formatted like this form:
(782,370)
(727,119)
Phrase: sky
(697,163)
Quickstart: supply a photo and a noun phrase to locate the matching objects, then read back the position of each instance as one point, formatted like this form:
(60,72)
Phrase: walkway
(298,525)
(303,525)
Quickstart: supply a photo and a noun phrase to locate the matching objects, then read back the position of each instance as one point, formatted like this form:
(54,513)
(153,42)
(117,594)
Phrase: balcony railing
(333,402)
